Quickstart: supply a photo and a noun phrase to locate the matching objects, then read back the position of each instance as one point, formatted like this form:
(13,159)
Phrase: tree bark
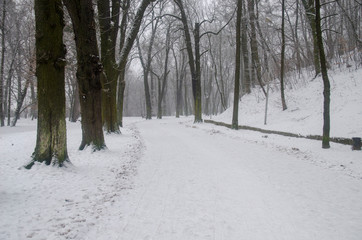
(120,99)
(326,91)
(50,60)
(255,61)
(310,12)
(20,102)
(2,115)
(34,105)
(196,83)
(122,72)
(194,62)
(235,122)
(75,105)
(108,21)
(162,86)
(246,82)
(127,49)
(88,72)
(284,105)
(179,79)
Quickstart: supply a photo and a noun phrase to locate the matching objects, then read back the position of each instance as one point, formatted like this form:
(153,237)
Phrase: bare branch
(217,33)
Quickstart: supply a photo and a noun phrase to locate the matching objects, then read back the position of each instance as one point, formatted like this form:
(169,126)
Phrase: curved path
(198,182)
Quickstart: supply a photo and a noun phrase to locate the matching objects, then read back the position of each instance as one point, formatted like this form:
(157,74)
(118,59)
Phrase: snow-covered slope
(305,106)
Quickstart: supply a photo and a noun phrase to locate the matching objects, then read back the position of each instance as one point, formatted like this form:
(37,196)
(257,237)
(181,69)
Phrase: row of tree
(193,55)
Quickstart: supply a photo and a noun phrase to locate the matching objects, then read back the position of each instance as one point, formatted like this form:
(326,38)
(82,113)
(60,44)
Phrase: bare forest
(99,61)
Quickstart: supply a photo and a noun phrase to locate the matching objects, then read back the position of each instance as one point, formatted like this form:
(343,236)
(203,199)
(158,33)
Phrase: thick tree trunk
(88,72)
(235,119)
(108,22)
(326,91)
(50,60)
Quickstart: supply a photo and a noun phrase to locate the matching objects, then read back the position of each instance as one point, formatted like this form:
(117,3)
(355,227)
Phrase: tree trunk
(196,83)
(126,49)
(186,106)
(162,87)
(326,91)
(9,98)
(121,88)
(244,47)
(88,72)
(2,115)
(235,122)
(75,109)
(178,84)
(108,22)
(20,103)
(51,140)
(297,45)
(310,12)
(284,105)
(255,61)
(122,72)
(194,63)
(34,105)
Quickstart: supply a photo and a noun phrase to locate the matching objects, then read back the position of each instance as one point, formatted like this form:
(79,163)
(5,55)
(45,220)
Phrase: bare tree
(2,115)
(126,49)
(326,91)
(284,105)
(108,17)
(88,72)
(235,124)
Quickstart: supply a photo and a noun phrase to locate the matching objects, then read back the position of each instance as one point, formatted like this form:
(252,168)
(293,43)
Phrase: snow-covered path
(198,182)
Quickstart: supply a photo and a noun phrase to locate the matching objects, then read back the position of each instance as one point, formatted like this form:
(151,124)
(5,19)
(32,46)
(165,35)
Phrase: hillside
(305,106)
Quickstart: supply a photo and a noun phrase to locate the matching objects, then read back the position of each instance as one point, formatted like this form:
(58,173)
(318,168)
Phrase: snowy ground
(61,203)
(305,106)
(170,179)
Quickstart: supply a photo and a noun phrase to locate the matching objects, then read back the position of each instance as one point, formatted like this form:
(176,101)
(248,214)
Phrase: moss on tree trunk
(50,54)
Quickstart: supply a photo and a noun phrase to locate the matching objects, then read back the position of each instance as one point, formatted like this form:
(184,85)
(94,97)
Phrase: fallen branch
(340,140)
